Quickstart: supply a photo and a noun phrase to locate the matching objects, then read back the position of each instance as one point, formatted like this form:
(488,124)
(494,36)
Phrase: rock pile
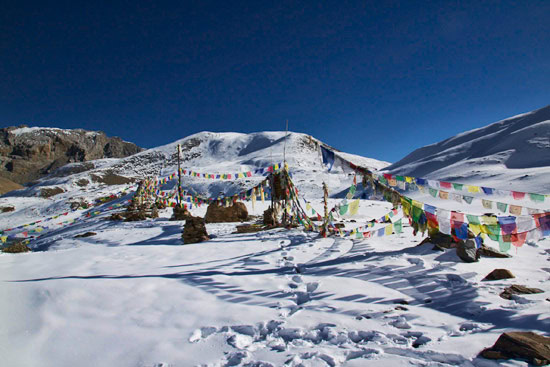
(221,214)
(194,230)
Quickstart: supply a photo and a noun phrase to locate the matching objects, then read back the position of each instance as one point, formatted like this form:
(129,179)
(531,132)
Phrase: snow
(497,155)
(29,130)
(134,295)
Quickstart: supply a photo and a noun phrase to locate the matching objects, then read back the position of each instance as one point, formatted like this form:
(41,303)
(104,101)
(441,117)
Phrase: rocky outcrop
(27,154)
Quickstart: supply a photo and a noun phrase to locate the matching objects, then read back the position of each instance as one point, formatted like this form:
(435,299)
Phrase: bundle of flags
(221,176)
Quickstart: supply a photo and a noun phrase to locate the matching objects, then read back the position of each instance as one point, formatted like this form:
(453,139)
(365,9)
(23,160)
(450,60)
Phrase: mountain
(208,152)
(28,153)
(500,154)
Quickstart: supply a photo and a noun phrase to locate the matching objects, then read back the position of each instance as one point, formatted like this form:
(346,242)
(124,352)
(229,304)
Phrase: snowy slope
(133,295)
(204,152)
(514,151)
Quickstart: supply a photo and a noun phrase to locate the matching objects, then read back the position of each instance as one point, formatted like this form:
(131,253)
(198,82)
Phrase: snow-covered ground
(134,295)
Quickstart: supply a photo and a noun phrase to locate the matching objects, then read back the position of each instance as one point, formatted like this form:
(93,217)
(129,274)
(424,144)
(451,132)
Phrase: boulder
(499,274)
(221,214)
(518,289)
(50,191)
(467,251)
(526,345)
(194,230)
(6,209)
(487,251)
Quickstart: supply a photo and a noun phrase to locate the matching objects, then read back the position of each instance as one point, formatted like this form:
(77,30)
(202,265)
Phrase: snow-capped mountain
(208,152)
(502,154)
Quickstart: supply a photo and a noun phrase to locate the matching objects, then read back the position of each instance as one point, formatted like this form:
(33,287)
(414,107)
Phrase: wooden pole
(179,178)
(325,200)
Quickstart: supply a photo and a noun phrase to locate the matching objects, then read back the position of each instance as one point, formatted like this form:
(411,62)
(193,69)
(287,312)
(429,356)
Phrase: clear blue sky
(376,78)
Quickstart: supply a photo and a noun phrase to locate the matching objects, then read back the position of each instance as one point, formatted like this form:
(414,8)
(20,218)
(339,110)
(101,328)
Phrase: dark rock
(87,234)
(110,178)
(221,214)
(269,218)
(52,191)
(518,289)
(486,251)
(499,274)
(529,346)
(116,216)
(194,230)
(6,209)
(467,251)
(16,247)
(250,228)
(82,182)
(440,240)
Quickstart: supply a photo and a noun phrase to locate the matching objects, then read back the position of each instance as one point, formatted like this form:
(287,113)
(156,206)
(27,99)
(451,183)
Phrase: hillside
(98,292)
(507,153)
(205,152)
(29,153)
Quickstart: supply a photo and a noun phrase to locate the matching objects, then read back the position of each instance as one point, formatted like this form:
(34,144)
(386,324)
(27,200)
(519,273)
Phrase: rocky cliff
(28,153)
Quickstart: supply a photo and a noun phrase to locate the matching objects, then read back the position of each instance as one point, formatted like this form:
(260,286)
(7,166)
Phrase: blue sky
(376,78)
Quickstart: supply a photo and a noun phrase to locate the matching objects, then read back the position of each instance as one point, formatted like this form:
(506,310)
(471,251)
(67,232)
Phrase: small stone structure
(221,214)
(194,230)
(180,213)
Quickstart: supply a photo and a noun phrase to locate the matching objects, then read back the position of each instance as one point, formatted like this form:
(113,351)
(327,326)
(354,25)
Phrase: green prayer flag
(343,209)
(502,206)
(473,219)
(458,186)
(398,226)
(433,192)
(400,178)
(416,213)
(537,198)
(468,199)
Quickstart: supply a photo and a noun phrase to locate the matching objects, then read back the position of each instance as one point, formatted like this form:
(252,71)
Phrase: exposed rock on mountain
(28,153)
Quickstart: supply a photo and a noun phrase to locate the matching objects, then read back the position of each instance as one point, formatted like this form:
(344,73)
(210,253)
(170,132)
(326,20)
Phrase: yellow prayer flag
(409,179)
(388,230)
(473,189)
(354,207)
(418,204)
(475,228)
(486,219)
(4,239)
